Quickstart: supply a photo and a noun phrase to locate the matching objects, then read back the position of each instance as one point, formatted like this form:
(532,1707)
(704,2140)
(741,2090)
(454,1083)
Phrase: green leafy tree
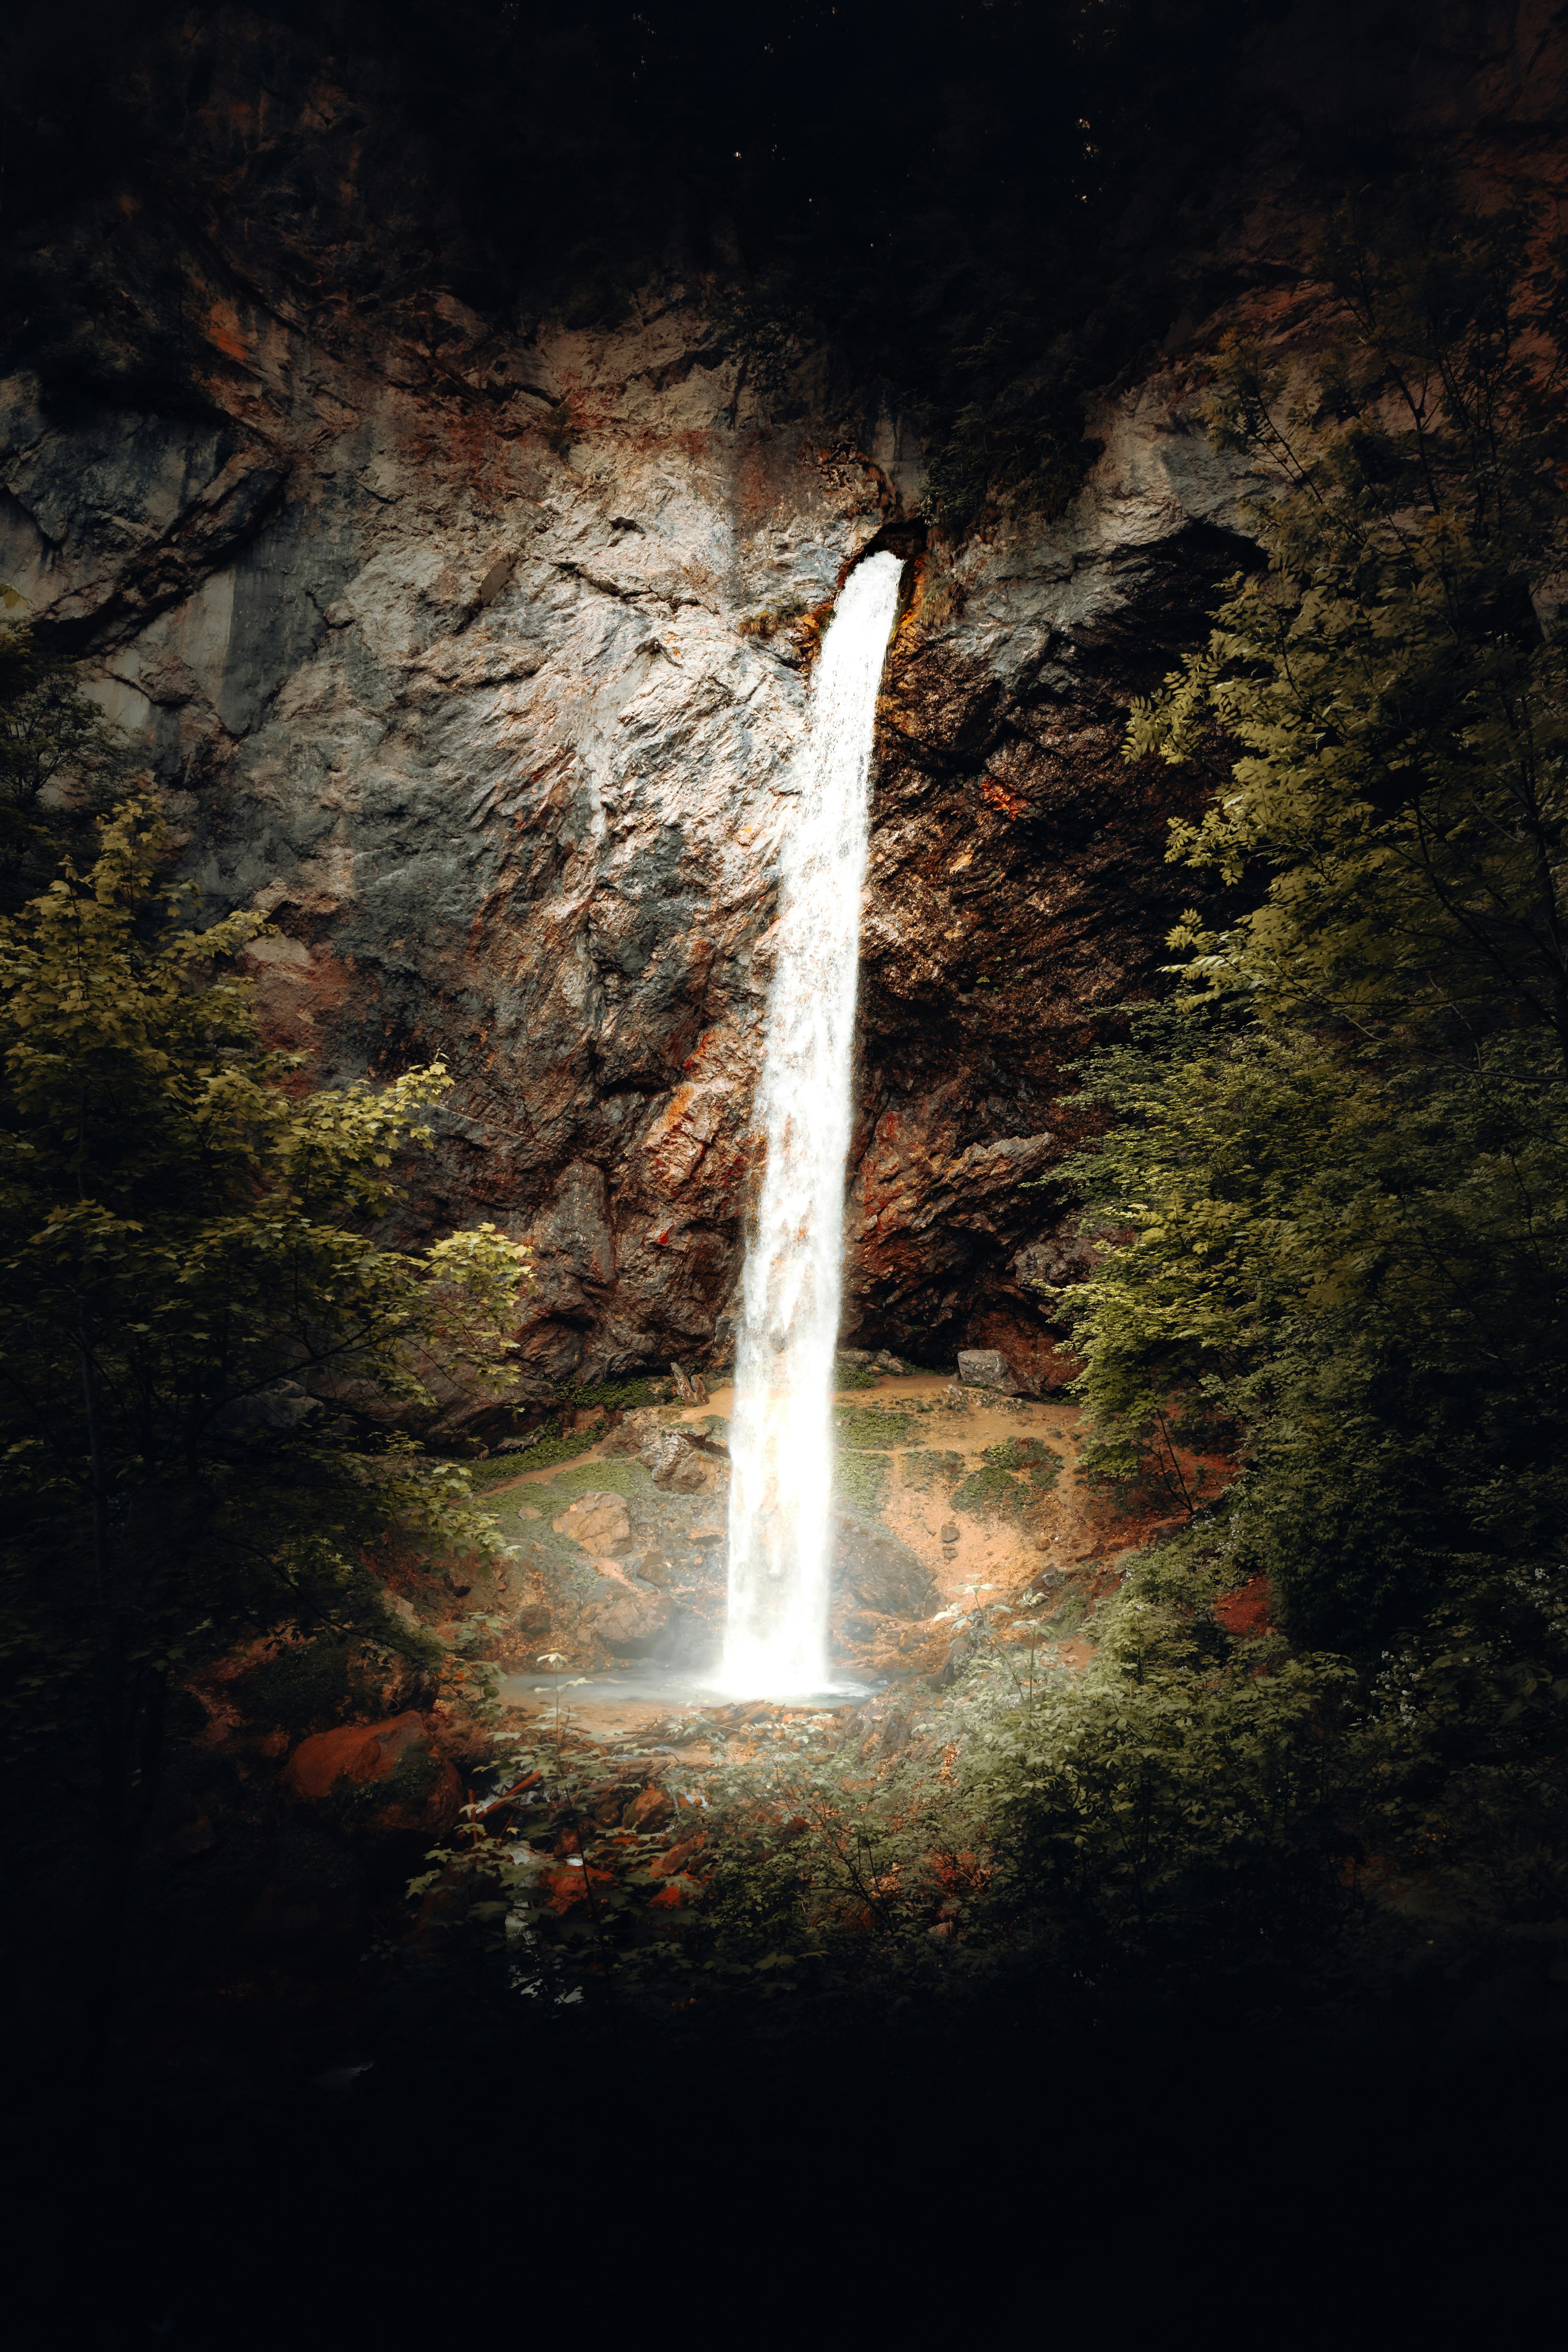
(201,1342)
(1395,679)
(1334,1179)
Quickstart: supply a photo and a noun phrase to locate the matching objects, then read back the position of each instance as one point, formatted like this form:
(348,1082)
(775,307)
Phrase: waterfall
(781,1430)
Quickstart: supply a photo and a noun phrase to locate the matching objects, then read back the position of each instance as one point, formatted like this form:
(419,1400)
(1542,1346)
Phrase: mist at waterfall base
(781,1429)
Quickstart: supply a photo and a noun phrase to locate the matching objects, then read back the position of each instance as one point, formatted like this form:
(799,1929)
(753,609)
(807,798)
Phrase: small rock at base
(987,1367)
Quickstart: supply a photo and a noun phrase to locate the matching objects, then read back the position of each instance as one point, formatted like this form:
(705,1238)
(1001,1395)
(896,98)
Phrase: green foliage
(1166,1799)
(305,1684)
(1342,1154)
(1401,711)
(202,1344)
(853,1376)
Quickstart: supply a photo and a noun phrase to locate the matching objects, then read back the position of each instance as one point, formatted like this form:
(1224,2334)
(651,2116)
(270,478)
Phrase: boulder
(672,1862)
(627,1619)
(673,1462)
(357,1755)
(651,1809)
(881,1574)
(600,1522)
(987,1367)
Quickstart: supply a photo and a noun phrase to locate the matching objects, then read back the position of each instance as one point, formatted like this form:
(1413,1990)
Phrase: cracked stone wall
(449,637)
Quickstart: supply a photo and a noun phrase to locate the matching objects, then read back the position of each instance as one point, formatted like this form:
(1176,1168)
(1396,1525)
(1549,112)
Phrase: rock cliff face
(463,646)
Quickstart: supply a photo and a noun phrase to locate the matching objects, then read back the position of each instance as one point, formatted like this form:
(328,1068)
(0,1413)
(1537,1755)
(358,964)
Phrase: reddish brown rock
(1244,1613)
(358,1756)
(650,1810)
(675,1894)
(671,1863)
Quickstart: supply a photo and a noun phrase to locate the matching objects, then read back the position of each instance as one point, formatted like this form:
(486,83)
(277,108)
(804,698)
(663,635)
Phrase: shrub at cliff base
(190,1304)
(1342,1149)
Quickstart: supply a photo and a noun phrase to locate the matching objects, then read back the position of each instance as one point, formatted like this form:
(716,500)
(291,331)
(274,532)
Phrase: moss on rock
(925,1468)
(860,1480)
(869,1426)
(990,1494)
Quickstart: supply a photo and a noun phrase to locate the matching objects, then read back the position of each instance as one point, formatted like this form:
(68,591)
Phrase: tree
(1341,1151)
(1396,681)
(185,1260)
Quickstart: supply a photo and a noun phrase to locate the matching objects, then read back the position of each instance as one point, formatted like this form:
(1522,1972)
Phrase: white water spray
(781,1435)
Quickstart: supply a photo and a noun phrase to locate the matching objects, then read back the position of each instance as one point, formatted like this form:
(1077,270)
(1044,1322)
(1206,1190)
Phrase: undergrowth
(1191,1808)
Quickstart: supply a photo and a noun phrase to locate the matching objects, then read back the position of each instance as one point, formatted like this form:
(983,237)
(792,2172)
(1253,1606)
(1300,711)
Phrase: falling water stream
(781,1432)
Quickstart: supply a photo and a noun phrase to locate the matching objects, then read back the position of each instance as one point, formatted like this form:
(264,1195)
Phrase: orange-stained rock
(1244,1613)
(358,1754)
(675,1895)
(667,1865)
(649,1811)
(350,1753)
(569,1886)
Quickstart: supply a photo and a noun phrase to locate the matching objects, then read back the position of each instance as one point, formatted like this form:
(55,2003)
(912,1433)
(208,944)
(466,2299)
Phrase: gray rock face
(985,1368)
(881,1574)
(458,649)
(627,1621)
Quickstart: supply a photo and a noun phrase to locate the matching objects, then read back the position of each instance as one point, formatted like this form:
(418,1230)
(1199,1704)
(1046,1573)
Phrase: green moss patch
(861,1481)
(926,1468)
(1043,1464)
(622,1474)
(990,1494)
(618,1396)
(853,1376)
(483,1476)
(867,1425)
